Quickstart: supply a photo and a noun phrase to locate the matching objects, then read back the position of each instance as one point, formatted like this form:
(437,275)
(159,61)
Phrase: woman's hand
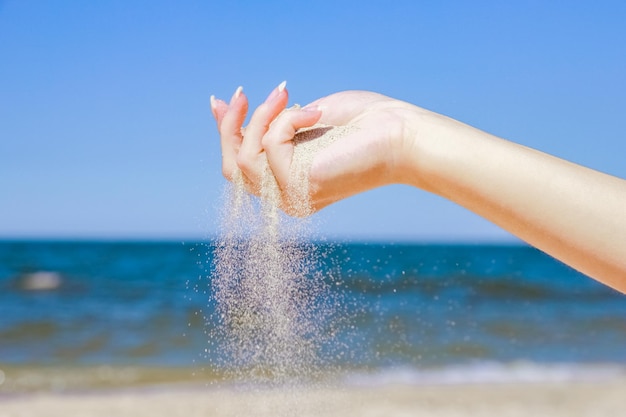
(369,156)
(571,212)
(245,150)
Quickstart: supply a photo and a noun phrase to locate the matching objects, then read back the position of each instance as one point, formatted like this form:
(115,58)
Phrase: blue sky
(105,128)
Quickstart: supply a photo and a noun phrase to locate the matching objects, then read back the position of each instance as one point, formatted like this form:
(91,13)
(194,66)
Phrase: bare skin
(573,213)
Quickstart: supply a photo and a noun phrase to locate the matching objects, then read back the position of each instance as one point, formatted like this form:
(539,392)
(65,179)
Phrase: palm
(361,160)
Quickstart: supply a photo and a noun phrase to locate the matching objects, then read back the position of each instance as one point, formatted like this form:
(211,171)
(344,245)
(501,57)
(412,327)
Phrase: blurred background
(111,187)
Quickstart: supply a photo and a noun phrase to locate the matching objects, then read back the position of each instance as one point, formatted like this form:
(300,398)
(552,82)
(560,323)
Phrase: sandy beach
(604,398)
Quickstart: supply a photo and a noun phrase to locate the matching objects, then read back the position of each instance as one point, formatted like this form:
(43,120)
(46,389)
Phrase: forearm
(573,213)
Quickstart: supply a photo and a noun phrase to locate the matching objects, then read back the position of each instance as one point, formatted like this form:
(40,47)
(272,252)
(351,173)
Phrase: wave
(489,373)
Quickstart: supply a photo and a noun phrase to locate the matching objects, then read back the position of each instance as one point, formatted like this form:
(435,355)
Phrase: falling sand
(272,309)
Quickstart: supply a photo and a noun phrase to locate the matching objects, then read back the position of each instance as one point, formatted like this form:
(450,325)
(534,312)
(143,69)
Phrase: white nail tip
(281,86)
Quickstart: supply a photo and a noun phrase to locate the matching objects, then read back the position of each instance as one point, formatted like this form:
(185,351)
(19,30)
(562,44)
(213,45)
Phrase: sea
(84,315)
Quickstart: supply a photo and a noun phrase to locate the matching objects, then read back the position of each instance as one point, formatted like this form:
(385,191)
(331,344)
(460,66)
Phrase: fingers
(267,139)
(251,158)
(278,141)
(230,118)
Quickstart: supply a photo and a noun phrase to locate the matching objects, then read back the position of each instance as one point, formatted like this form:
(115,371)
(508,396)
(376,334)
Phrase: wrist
(421,148)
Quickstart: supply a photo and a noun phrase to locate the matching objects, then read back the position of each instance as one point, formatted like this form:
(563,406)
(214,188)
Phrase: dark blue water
(410,306)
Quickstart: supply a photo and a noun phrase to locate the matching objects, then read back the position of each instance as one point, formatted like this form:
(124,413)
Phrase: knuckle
(280,131)
(229,168)
(269,139)
(244,161)
(227,171)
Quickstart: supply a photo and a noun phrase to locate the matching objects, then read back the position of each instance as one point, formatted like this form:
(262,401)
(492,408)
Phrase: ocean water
(77,315)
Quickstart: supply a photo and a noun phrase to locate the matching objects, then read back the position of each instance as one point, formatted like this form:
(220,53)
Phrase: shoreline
(37,378)
(565,398)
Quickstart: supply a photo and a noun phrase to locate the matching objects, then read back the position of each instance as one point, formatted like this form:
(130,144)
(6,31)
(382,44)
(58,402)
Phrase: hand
(369,156)
(571,212)
(249,150)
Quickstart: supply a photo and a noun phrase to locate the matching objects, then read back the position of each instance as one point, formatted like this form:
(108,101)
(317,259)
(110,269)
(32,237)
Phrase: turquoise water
(408,310)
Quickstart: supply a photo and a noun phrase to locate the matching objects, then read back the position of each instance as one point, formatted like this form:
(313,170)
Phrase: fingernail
(275,92)
(311,108)
(237,94)
(314,108)
(213,105)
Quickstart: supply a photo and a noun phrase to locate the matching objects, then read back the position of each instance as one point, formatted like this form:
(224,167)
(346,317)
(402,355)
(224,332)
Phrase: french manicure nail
(237,94)
(213,104)
(275,92)
(311,108)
